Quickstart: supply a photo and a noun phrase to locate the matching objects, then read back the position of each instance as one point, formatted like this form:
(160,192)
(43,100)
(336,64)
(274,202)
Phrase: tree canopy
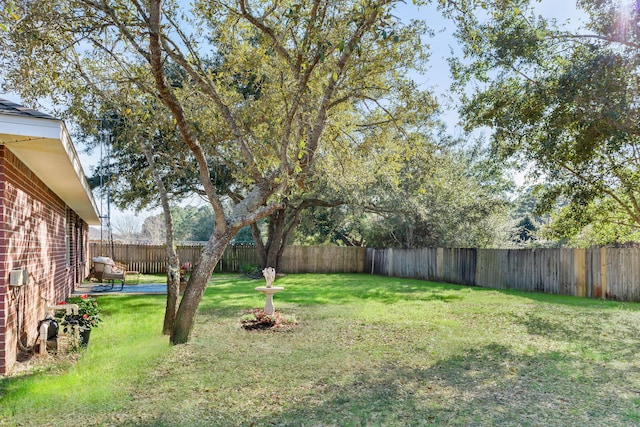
(564,103)
(440,196)
(190,224)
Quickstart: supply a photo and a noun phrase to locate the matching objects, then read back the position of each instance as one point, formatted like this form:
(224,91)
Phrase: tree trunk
(183,325)
(272,257)
(173,262)
(173,290)
(248,211)
(275,239)
(268,253)
(282,223)
(260,248)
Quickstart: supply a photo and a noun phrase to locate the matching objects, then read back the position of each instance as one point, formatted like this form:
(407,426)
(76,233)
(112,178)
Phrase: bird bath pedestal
(269,291)
(269,274)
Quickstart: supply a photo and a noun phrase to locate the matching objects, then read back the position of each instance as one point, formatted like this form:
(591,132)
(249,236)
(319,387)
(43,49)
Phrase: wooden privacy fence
(296,259)
(150,259)
(323,259)
(597,273)
(609,273)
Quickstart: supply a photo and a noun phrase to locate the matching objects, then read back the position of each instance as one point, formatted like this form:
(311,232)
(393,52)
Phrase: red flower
(61,303)
(83,296)
(86,316)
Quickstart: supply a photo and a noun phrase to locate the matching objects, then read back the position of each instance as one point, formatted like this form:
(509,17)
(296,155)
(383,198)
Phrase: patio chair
(107,270)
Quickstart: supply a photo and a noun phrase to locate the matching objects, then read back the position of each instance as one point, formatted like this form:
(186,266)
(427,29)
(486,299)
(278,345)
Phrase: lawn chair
(107,270)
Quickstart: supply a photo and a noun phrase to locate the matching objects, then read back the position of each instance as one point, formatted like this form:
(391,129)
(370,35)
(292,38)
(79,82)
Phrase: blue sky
(443,43)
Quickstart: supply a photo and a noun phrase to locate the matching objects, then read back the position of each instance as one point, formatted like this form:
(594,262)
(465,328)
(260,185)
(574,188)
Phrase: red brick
(25,201)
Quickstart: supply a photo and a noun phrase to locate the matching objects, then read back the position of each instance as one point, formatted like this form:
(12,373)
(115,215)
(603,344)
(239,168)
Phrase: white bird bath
(269,275)
(268,306)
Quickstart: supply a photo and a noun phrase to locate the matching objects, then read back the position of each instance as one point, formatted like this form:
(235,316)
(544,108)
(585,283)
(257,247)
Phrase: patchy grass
(367,351)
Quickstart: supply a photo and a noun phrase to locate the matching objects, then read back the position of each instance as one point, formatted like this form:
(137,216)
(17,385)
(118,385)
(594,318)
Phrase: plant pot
(84,337)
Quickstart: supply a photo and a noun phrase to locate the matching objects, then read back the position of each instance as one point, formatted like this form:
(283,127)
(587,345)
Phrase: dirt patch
(29,363)
(256,319)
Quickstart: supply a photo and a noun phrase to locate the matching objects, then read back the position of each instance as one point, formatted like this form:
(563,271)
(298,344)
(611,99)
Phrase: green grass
(121,349)
(368,351)
(150,278)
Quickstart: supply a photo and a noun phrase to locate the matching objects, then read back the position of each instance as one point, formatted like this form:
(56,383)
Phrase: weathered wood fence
(150,259)
(323,259)
(609,273)
(296,259)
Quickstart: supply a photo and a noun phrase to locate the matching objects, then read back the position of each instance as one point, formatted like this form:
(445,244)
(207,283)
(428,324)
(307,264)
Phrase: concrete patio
(96,289)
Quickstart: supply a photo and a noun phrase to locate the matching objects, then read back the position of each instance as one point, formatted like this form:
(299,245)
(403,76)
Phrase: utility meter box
(18,277)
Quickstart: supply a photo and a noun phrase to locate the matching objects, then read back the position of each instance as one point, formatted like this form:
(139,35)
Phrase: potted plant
(88,316)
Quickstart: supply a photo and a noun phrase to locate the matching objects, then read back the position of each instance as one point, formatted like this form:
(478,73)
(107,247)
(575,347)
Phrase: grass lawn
(368,351)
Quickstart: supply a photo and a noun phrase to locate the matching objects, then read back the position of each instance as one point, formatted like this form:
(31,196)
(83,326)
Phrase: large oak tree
(308,63)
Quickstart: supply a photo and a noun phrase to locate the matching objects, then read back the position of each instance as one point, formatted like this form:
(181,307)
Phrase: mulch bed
(256,319)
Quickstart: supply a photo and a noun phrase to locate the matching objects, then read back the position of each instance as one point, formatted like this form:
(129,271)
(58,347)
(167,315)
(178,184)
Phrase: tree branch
(175,54)
(608,39)
(607,191)
(258,23)
(120,25)
(167,96)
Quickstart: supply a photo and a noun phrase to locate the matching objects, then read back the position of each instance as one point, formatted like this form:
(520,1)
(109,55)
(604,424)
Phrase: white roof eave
(45,147)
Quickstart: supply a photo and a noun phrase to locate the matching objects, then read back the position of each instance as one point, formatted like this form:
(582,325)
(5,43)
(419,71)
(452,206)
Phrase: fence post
(603,271)
(580,272)
(373,261)
(440,263)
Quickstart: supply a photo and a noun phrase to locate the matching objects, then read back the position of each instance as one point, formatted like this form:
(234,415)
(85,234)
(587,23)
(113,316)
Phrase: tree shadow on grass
(486,386)
(596,337)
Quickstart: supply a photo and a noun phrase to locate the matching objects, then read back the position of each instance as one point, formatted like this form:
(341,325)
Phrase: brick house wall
(40,233)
